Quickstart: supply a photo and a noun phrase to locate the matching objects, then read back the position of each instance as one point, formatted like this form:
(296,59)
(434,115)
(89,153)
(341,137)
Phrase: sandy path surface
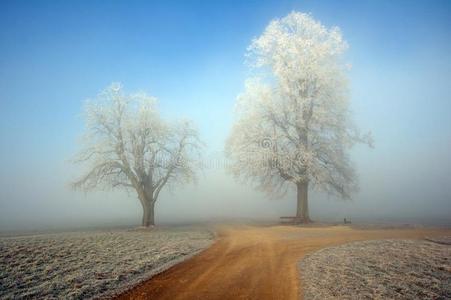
(251,262)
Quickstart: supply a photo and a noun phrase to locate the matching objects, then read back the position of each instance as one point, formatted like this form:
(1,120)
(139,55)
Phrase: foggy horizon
(192,58)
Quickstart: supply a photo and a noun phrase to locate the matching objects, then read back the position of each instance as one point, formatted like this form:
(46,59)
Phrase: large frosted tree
(128,145)
(293,126)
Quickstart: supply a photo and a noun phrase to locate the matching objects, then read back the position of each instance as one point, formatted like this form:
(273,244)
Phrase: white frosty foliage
(293,121)
(127,144)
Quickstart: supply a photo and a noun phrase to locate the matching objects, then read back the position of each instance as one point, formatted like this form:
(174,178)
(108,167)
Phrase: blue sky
(190,54)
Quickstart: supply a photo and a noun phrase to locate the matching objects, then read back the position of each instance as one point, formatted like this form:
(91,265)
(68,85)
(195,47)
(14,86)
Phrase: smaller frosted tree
(293,124)
(128,145)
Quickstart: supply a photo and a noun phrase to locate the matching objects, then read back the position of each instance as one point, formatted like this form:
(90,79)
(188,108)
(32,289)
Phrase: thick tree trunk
(302,204)
(148,213)
(147,200)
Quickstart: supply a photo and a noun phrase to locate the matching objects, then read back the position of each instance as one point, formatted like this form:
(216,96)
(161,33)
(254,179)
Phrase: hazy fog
(191,56)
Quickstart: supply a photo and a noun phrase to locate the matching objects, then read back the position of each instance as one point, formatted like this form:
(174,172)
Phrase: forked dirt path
(251,262)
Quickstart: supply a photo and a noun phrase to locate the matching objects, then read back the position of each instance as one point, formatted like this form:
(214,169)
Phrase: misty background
(190,55)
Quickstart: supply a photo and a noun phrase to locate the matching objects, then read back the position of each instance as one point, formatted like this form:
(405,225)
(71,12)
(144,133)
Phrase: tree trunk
(302,212)
(148,213)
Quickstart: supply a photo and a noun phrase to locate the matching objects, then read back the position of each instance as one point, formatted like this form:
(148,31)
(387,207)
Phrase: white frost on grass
(90,264)
(385,269)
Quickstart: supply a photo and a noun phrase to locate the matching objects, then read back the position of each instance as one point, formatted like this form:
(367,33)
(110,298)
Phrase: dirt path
(249,262)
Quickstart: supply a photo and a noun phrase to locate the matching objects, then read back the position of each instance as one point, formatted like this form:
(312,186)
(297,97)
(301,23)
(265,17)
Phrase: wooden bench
(291,220)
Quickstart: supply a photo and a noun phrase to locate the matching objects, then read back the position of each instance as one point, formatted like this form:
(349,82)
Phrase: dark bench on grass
(291,220)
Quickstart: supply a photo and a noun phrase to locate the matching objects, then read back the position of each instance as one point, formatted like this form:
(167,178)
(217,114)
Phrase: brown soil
(251,262)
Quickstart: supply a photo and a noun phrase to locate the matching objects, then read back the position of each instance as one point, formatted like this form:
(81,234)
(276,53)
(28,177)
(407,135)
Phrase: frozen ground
(384,269)
(90,264)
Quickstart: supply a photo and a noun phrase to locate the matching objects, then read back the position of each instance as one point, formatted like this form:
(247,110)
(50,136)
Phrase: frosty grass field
(384,269)
(90,264)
